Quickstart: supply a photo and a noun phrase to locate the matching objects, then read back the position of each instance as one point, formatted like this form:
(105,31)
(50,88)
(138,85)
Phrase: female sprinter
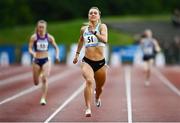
(149,47)
(38,48)
(94,36)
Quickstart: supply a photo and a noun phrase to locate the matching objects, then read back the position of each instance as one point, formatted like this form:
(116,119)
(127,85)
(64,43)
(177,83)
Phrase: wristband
(77,52)
(95,32)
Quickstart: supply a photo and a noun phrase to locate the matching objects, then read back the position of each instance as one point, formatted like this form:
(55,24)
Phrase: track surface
(125,98)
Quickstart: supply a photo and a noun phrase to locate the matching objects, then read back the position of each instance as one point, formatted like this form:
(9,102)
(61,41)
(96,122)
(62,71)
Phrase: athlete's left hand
(75,60)
(57,61)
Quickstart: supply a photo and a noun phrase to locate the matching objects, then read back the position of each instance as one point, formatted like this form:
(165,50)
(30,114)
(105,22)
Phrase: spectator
(176,49)
(176,18)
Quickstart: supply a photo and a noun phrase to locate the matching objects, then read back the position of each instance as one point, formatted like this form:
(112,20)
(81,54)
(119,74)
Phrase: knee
(99,87)
(44,79)
(36,81)
(89,81)
(146,69)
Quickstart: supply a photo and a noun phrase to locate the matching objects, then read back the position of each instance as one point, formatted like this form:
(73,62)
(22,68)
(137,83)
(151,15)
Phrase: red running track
(125,98)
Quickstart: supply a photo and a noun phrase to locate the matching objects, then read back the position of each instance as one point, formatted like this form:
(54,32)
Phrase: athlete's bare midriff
(94,53)
(41,54)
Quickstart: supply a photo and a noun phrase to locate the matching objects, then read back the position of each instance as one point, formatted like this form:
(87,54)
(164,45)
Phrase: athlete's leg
(36,73)
(45,74)
(150,63)
(88,75)
(100,78)
(147,69)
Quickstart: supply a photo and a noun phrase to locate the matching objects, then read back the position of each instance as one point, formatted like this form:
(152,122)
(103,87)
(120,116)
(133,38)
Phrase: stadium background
(126,19)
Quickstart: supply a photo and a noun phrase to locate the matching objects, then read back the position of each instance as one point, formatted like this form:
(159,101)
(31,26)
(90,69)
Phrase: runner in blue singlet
(38,48)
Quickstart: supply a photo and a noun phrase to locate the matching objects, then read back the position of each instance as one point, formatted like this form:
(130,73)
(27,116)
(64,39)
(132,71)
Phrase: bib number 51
(90,39)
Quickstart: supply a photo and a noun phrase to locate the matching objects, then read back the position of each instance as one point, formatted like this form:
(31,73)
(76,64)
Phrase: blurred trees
(15,12)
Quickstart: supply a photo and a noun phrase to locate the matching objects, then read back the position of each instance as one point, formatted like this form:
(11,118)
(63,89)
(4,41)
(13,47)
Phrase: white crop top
(148,46)
(90,40)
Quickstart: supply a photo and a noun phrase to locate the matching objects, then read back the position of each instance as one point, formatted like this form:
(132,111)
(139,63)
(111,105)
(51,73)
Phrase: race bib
(148,50)
(42,45)
(91,40)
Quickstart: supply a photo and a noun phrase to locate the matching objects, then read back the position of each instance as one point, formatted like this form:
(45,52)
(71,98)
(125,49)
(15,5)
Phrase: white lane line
(74,95)
(128,92)
(12,70)
(15,78)
(51,80)
(166,82)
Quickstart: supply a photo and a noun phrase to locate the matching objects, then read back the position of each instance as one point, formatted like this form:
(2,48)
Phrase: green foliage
(18,12)
(64,33)
(119,38)
(14,12)
(67,32)
(136,18)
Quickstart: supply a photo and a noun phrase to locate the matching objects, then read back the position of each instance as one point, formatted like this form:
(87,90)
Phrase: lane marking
(51,80)
(12,70)
(16,78)
(74,95)
(128,92)
(166,81)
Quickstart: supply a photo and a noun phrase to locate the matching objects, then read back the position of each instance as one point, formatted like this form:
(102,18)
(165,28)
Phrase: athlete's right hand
(75,60)
(34,55)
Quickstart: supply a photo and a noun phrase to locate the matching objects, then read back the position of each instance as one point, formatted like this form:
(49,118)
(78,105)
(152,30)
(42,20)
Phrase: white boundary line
(51,80)
(15,78)
(128,92)
(166,81)
(12,70)
(74,95)
(99,122)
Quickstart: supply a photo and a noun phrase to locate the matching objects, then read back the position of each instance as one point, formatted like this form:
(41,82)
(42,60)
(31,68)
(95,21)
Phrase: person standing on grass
(94,36)
(38,48)
(149,47)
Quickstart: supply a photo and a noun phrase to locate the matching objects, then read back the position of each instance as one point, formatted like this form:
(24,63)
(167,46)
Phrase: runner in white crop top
(90,40)
(94,36)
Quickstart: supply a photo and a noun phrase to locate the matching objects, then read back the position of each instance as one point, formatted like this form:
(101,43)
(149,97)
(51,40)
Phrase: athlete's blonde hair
(148,32)
(94,7)
(40,21)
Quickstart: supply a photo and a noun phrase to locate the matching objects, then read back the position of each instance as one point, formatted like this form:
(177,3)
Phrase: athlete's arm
(80,45)
(157,47)
(31,43)
(53,42)
(103,36)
